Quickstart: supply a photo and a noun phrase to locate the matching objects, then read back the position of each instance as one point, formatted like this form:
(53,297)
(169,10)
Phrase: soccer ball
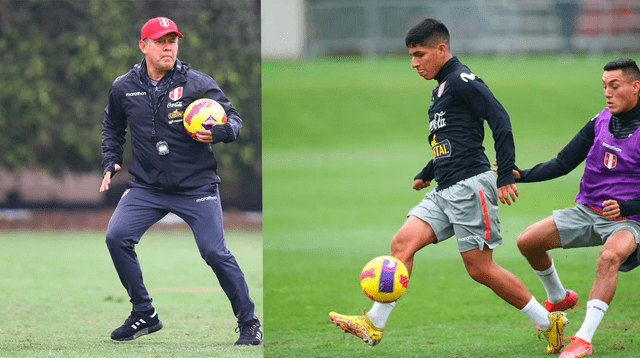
(201,110)
(384,279)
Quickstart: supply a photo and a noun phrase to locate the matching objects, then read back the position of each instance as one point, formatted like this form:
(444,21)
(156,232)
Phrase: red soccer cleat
(577,348)
(568,302)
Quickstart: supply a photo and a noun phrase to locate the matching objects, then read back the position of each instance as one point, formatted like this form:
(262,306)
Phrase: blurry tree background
(60,57)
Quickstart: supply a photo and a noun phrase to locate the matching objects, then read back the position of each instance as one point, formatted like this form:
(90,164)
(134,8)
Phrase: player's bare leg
(536,240)
(483,269)
(534,243)
(613,253)
(411,237)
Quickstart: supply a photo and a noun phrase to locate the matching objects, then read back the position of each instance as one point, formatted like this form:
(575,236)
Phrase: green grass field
(60,296)
(342,140)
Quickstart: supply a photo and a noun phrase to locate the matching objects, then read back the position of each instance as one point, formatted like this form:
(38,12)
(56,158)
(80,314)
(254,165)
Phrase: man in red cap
(159,43)
(173,173)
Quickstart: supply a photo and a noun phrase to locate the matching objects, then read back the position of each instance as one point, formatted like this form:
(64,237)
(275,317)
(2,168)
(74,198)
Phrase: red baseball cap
(158,27)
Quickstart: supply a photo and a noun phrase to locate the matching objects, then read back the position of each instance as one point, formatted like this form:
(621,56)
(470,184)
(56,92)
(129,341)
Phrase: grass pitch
(342,140)
(60,296)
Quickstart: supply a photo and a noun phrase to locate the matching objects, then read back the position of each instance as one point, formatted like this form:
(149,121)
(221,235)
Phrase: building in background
(375,27)
(283,28)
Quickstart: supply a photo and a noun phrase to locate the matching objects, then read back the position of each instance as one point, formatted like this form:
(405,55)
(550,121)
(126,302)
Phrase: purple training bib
(612,167)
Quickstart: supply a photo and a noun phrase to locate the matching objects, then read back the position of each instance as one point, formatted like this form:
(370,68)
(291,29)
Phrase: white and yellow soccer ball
(200,111)
(384,279)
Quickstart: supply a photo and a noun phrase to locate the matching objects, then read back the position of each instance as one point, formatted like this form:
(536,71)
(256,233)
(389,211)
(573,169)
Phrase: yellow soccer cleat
(555,332)
(359,326)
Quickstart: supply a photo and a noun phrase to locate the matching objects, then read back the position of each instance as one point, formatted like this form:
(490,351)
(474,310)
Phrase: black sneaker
(250,334)
(138,324)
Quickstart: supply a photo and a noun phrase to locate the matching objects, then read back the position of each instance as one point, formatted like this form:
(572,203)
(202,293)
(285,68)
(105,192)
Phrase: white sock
(379,313)
(537,313)
(595,311)
(552,284)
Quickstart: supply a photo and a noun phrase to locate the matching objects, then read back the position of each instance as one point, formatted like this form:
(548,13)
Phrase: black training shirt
(459,105)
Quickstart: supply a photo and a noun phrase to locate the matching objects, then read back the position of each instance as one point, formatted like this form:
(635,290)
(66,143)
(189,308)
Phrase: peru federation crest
(610,160)
(164,22)
(441,88)
(175,94)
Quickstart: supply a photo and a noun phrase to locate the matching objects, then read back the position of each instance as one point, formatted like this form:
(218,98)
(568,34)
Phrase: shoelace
(246,331)
(131,319)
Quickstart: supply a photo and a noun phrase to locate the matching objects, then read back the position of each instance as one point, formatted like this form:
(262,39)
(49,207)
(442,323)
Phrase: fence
(373,27)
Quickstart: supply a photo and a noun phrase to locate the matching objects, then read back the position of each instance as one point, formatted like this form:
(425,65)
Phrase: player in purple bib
(608,203)
(612,167)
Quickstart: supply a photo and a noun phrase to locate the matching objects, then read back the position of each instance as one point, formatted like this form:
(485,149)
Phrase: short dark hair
(424,32)
(628,66)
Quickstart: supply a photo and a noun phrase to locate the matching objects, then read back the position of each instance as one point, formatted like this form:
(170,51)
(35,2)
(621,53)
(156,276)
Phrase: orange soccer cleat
(568,302)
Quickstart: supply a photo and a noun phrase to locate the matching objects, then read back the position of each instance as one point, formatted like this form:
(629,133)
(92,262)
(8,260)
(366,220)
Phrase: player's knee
(525,242)
(215,257)
(118,238)
(609,259)
(473,272)
(406,242)
(477,274)
(401,248)
(473,269)
(113,240)
(480,269)
(396,247)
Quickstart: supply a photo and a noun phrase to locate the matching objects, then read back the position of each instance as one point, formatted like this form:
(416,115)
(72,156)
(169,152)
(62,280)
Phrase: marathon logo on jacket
(440,149)
(175,94)
(133,94)
(610,160)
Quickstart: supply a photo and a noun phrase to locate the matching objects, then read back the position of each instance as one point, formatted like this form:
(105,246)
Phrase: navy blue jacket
(459,105)
(154,114)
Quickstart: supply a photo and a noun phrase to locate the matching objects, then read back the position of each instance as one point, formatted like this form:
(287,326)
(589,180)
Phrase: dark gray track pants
(200,208)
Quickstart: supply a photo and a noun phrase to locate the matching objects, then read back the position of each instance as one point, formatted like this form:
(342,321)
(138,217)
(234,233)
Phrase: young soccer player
(608,202)
(464,203)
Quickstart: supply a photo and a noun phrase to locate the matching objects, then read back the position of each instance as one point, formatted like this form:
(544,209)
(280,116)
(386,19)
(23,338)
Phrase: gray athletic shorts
(582,227)
(467,209)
